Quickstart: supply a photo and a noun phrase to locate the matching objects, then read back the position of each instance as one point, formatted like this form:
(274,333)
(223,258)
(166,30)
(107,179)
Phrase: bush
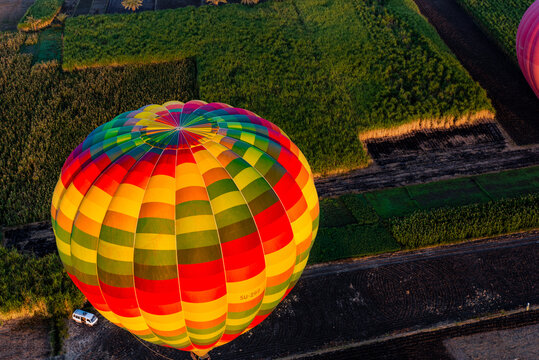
(27,282)
(447,225)
(40,15)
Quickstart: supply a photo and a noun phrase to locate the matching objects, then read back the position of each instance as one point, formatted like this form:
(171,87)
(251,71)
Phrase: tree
(131,4)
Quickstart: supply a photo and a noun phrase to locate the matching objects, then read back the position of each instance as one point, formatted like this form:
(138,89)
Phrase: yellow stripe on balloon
(83,253)
(115,252)
(156,241)
(227,201)
(168,322)
(71,201)
(95,204)
(57,194)
(195,223)
(246,177)
(189,177)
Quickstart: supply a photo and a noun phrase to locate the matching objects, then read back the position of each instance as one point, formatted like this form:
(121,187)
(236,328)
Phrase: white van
(83,317)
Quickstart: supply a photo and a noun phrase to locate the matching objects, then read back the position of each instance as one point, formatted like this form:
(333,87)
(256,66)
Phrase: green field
(40,14)
(45,113)
(427,214)
(449,225)
(314,67)
(499,19)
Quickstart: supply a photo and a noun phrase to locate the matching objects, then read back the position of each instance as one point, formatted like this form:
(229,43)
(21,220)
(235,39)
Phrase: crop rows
(446,225)
(427,214)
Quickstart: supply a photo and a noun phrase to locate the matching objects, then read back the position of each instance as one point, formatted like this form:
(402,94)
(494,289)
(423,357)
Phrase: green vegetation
(467,222)
(314,67)
(391,202)
(427,214)
(454,192)
(40,15)
(351,241)
(510,183)
(499,19)
(27,282)
(49,46)
(45,113)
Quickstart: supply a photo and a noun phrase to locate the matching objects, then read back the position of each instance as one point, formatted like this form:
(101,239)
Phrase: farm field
(387,220)
(353,84)
(500,19)
(40,15)
(427,214)
(276,60)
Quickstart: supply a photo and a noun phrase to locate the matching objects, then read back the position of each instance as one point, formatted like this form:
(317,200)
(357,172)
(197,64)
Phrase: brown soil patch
(521,343)
(430,155)
(11,11)
(26,338)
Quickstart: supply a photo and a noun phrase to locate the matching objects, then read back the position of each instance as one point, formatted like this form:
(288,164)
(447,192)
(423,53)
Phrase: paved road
(353,301)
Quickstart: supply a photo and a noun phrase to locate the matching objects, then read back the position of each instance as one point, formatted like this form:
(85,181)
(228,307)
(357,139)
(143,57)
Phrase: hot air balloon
(528,46)
(185,224)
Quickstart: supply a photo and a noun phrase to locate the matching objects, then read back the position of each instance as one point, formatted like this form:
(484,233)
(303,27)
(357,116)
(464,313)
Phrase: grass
(454,192)
(314,67)
(391,202)
(49,46)
(40,15)
(511,183)
(427,214)
(45,113)
(499,19)
(351,241)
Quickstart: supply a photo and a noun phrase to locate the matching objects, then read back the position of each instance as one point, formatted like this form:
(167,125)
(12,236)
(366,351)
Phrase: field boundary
(447,122)
(506,241)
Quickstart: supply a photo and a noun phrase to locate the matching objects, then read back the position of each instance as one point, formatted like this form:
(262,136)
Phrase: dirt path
(26,338)
(516,106)
(521,343)
(369,298)
(438,343)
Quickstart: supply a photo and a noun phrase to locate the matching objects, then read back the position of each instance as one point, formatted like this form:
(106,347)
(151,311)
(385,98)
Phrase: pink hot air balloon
(528,46)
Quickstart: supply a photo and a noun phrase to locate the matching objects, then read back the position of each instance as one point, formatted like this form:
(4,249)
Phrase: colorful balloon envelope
(185,224)
(528,46)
